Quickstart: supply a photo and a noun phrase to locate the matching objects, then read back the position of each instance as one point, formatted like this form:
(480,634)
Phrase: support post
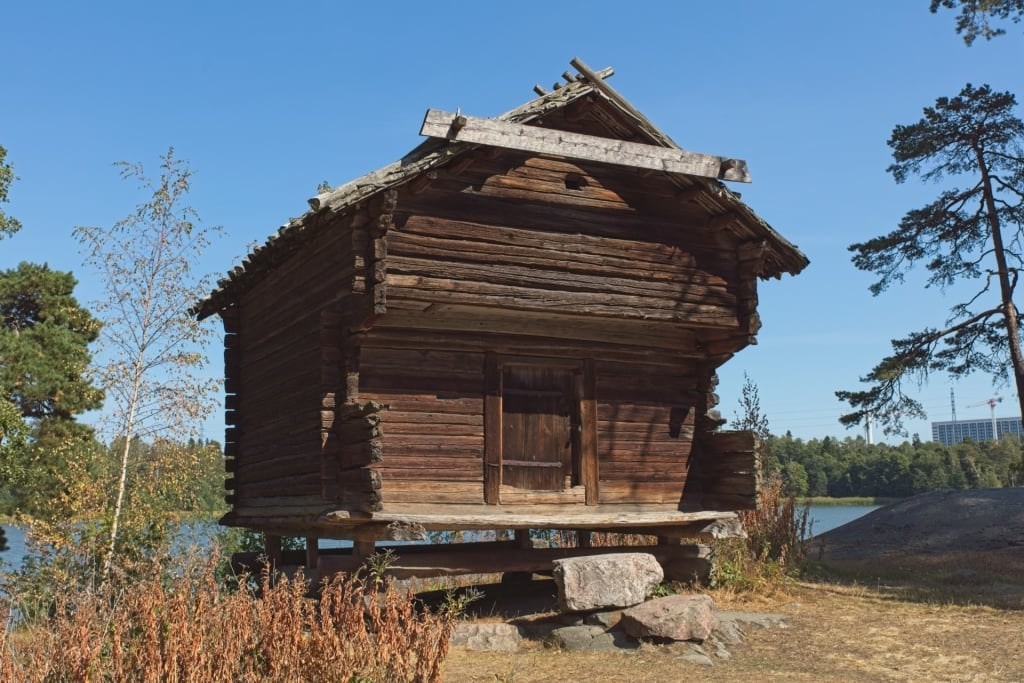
(312,552)
(363,548)
(272,547)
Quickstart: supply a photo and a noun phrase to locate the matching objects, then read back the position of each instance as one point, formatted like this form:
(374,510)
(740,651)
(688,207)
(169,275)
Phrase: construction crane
(991,403)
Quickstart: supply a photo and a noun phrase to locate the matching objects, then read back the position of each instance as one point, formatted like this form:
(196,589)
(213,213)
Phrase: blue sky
(268,99)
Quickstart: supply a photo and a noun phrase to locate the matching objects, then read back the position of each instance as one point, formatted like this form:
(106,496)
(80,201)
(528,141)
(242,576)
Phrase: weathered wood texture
(363,373)
(482,558)
(351,445)
(411,521)
(508,135)
(726,471)
(287,353)
(433,428)
(547,236)
(481,260)
(645,430)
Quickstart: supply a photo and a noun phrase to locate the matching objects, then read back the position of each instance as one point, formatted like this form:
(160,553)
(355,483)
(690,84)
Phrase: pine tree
(977,17)
(8,224)
(969,234)
(44,358)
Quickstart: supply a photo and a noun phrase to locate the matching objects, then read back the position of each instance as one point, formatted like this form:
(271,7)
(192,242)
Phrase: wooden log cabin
(516,326)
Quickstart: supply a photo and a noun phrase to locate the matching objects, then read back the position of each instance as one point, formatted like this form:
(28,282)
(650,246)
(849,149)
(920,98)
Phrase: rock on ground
(591,639)
(605,581)
(496,637)
(676,617)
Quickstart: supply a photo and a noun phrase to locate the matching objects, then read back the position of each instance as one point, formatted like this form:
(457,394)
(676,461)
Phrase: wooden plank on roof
(497,133)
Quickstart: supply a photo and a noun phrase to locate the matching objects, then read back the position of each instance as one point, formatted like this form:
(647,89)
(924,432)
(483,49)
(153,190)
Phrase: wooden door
(539,416)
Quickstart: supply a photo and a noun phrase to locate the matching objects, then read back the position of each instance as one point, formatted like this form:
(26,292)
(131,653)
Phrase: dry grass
(962,577)
(849,633)
(190,629)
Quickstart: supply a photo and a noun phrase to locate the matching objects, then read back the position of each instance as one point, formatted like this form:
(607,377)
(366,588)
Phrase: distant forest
(184,478)
(852,467)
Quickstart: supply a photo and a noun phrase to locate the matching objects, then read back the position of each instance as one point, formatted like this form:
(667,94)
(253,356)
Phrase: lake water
(822,519)
(16,546)
(827,517)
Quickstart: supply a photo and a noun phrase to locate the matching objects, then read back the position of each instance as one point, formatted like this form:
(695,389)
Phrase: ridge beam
(508,135)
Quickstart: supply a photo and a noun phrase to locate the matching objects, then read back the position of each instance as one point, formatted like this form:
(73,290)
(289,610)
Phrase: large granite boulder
(676,617)
(605,581)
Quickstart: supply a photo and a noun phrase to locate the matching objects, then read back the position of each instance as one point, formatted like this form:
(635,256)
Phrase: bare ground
(929,589)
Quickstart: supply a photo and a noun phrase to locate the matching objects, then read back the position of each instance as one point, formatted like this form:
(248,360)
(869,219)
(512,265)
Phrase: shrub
(774,547)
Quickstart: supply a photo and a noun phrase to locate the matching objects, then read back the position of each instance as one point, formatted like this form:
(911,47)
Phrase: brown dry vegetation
(191,629)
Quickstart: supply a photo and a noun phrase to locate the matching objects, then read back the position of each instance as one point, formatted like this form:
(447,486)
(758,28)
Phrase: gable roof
(617,116)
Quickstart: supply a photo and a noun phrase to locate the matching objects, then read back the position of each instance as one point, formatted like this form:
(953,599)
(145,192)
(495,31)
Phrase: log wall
(645,430)
(432,428)
(283,345)
(522,233)
(523,255)
(726,475)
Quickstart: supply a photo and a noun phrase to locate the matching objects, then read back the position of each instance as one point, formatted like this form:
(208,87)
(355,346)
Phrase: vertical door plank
(492,429)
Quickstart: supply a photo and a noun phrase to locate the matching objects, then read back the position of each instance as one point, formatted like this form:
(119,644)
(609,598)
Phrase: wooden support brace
(231,317)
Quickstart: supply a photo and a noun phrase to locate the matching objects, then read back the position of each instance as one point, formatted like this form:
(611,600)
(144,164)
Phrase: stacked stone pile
(606,604)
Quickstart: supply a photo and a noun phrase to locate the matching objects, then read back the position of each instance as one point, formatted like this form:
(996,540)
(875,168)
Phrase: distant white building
(950,433)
